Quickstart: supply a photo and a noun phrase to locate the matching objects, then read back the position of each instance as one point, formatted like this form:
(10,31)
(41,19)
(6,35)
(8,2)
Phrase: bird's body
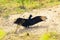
(28,22)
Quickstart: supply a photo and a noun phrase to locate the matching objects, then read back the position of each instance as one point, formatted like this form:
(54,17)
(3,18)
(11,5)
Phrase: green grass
(8,7)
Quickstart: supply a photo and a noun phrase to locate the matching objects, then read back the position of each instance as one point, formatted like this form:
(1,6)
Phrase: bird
(30,21)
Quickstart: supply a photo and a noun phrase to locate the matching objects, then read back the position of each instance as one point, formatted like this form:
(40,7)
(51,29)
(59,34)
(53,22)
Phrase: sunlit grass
(8,7)
(2,33)
(49,36)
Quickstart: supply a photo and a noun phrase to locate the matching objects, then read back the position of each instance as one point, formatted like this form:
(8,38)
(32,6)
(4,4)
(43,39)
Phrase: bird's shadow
(28,22)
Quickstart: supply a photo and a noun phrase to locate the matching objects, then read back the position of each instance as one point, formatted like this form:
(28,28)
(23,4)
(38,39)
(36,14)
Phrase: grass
(49,36)
(2,33)
(8,7)
(25,36)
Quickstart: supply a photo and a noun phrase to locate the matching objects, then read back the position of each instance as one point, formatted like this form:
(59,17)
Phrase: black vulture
(30,21)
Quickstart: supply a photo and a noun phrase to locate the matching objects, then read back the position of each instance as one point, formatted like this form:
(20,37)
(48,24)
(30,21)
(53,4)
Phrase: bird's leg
(16,31)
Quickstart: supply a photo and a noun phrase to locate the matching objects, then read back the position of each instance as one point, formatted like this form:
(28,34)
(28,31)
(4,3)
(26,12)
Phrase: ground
(51,24)
(11,10)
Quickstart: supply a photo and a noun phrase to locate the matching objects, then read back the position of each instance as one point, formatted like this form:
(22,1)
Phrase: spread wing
(20,21)
(36,20)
